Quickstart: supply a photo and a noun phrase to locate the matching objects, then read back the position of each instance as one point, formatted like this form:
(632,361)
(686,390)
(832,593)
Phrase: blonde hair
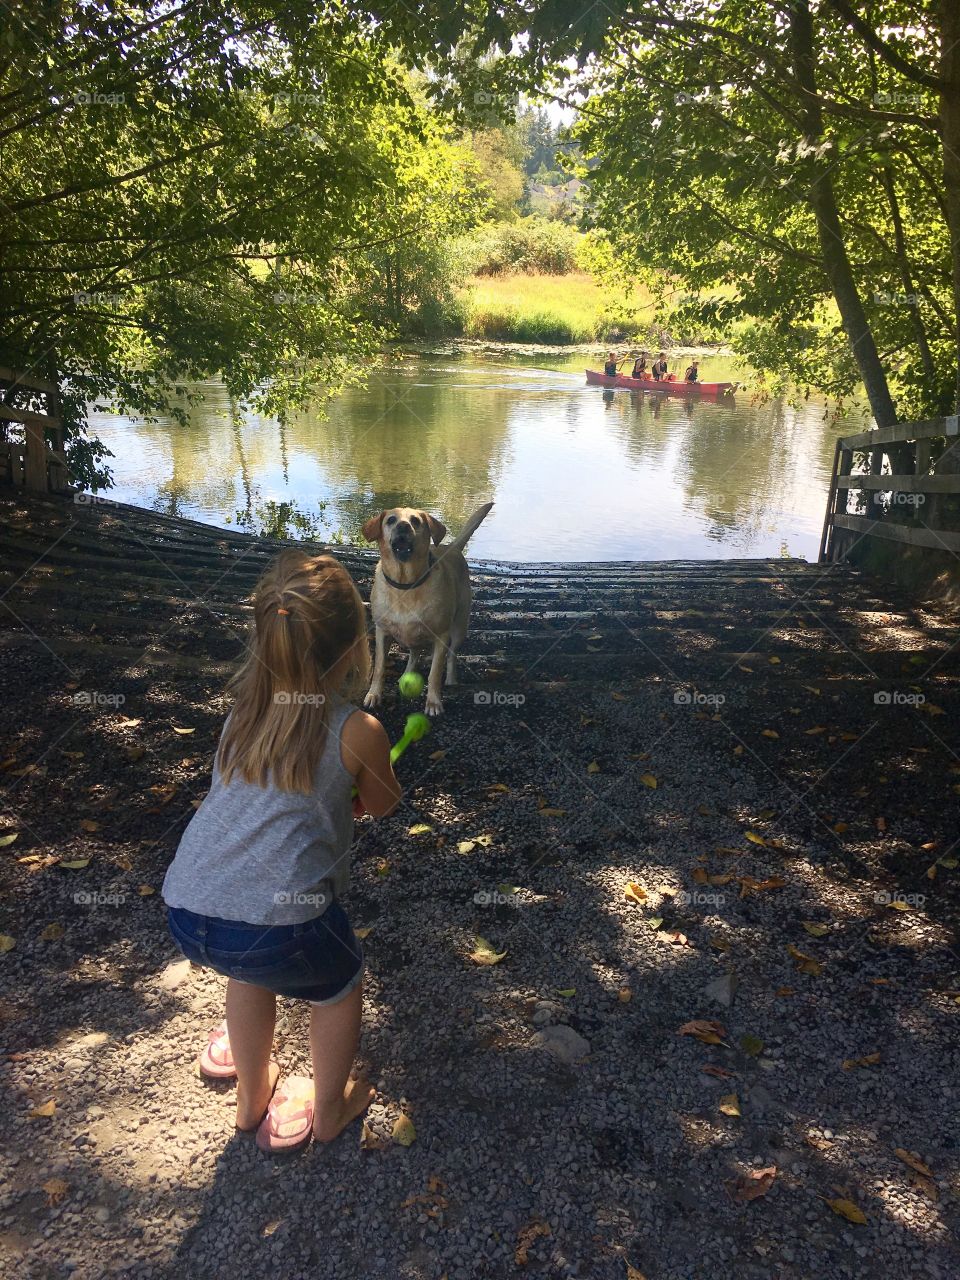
(308,616)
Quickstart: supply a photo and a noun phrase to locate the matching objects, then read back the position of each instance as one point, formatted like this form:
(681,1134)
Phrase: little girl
(254,889)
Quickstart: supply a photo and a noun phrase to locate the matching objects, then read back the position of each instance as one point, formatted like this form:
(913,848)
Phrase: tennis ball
(410,684)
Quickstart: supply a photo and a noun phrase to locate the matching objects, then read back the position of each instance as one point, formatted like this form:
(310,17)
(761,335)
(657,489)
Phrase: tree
(801,162)
(184,183)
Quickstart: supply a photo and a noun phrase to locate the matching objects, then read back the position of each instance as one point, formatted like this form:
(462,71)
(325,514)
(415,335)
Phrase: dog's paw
(434,706)
(374,698)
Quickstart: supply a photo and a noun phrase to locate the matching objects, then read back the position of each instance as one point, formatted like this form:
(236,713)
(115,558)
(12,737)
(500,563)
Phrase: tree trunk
(950,138)
(833,247)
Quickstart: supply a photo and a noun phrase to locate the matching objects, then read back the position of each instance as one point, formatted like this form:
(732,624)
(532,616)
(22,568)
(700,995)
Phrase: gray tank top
(266,856)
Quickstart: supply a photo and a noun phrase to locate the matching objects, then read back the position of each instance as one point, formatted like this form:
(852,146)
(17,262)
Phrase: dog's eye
(415,521)
(391,519)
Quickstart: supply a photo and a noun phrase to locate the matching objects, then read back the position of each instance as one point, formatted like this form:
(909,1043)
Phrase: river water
(576,472)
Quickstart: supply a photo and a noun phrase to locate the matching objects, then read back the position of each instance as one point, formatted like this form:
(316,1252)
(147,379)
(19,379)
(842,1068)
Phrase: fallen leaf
(484,953)
(44,1111)
(498,786)
(127,724)
(88,824)
(913,1161)
(56,1190)
(805,963)
(869,1060)
(8,839)
(466,846)
(624,995)
(525,1238)
(751,1185)
(751,1044)
(270,1227)
(634,892)
(706,1030)
(814,1140)
(145,890)
(593,767)
(75,864)
(419,829)
(52,933)
(182,732)
(785,991)
(749,885)
(755,837)
(674,937)
(847,1209)
(566,992)
(649,780)
(371,1140)
(655,922)
(815,930)
(403,1131)
(438,755)
(720,1072)
(6,943)
(383,867)
(769,733)
(729,1104)
(817,728)
(812,688)
(363,932)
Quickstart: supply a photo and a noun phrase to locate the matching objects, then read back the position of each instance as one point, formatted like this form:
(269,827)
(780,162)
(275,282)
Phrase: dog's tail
(468,530)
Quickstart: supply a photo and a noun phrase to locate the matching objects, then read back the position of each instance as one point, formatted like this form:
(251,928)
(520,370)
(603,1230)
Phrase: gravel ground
(564,1127)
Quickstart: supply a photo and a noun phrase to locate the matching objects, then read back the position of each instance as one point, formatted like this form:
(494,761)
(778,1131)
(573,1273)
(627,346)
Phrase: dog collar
(408,586)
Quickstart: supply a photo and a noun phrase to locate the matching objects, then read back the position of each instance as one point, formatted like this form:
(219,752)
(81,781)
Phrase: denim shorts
(319,960)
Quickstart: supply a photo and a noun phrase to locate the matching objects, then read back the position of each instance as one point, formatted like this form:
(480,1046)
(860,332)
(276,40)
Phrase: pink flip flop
(288,1124)
(216,1061)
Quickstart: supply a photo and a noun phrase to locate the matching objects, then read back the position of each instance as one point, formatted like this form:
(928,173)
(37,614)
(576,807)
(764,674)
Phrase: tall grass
(554,309)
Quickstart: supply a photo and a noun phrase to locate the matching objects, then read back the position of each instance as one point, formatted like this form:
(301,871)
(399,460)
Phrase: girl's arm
(365,752)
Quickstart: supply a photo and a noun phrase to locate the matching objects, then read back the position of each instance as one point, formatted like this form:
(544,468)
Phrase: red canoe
(673,386)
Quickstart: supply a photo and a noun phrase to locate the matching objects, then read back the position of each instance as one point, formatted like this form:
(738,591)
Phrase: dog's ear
(438,530)
(373,529)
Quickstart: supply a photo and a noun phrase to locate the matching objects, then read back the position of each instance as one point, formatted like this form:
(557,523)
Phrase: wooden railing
(37,462)
(923,466)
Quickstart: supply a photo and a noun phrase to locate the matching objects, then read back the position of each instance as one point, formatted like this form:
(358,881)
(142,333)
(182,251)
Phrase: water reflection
(577,472)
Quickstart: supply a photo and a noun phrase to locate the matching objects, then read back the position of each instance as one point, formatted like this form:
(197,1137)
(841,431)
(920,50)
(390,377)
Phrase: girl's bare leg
(251,1016)
(334,1036)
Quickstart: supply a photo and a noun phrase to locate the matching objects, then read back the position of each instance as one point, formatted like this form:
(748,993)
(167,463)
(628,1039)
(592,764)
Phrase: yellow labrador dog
(420,597)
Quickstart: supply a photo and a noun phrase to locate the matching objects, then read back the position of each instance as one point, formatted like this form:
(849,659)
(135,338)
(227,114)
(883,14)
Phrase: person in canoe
(640,366)
(659,369)
(692,374)
(610,365)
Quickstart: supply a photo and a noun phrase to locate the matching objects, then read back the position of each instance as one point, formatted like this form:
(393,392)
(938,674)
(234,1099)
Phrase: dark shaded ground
(804,706)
